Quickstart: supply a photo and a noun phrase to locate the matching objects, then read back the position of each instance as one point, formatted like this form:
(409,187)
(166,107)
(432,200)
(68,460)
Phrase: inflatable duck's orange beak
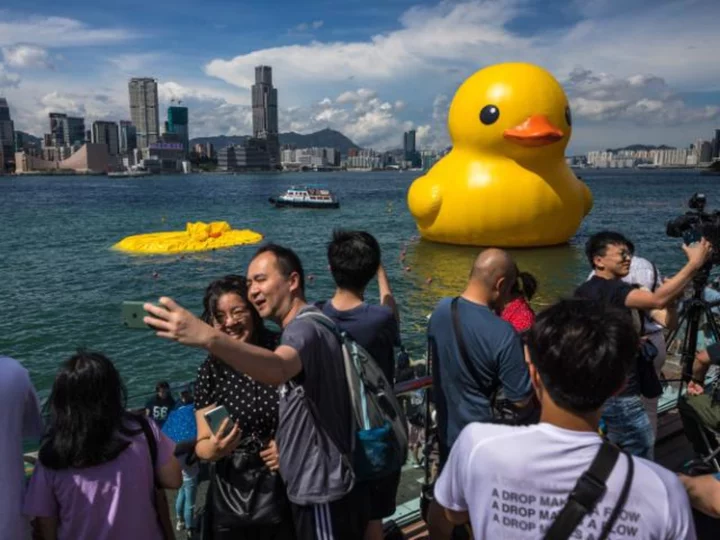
(535,131)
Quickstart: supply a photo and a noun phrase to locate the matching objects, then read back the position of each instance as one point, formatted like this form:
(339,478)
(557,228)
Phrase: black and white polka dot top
(251,404)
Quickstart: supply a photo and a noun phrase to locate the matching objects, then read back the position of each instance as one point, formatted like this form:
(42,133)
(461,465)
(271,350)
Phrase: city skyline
(636,71)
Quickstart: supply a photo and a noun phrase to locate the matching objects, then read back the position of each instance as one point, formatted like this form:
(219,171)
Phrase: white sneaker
(180,525)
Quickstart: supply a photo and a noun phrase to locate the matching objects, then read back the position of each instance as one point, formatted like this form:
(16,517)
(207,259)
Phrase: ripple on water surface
(61,286)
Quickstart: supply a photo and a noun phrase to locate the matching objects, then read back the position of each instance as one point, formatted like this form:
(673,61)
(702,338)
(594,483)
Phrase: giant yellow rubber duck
(505,183)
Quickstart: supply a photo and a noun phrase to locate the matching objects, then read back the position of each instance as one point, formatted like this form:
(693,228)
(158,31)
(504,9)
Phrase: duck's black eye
(568,116)
(489,114)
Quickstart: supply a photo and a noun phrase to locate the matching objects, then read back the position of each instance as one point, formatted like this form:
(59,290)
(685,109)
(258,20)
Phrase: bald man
(494,350)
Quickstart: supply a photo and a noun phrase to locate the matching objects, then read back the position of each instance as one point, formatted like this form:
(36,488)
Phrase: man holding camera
(609,254)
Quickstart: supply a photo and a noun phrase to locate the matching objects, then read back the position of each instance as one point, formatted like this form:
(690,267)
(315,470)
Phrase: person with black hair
(517,310)
(252,406)
(94,479)
(159,406)
(309,359)
(610,254)
(510,480)
(473,354)
(354,259)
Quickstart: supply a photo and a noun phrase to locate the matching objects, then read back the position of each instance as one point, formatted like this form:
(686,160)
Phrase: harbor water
(61,284)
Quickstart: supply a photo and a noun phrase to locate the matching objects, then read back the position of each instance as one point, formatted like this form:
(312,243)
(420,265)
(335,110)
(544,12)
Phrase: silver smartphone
(215,418)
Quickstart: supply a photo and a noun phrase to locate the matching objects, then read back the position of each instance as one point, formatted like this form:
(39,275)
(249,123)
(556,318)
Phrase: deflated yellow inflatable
(196,237)
(505,183)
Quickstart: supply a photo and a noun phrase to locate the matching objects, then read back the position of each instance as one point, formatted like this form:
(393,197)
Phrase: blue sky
(636,71)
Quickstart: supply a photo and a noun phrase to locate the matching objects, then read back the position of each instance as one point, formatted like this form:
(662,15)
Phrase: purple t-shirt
(112,501)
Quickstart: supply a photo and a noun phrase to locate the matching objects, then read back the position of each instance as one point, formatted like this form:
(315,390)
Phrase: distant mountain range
(641,147)
(31,138)
(325,138)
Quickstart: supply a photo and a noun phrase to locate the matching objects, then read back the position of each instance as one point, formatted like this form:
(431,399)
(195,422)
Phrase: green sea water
(61,286)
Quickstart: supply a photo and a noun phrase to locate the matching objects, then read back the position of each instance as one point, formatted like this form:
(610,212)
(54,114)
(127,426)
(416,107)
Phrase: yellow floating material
(196,237)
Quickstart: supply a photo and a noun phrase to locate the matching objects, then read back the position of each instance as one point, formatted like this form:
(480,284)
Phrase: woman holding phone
(246,499)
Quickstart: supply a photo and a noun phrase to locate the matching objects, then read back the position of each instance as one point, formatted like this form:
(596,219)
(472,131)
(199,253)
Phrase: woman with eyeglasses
(246,499)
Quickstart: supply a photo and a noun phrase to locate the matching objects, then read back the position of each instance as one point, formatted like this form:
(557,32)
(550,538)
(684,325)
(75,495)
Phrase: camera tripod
(693,311)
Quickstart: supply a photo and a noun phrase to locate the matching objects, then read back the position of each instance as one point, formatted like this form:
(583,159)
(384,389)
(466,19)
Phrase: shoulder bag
(245,491)
(502,409)
(588,491)
(162,510)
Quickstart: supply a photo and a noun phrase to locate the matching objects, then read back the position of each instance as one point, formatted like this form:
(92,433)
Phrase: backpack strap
(588,490)
(655,278)
(357,418)
(474,373)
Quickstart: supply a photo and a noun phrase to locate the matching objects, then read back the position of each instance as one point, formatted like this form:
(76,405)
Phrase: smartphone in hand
(215,418)
(132,315)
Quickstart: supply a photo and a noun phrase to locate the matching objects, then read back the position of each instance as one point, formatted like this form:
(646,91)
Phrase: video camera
(697,224)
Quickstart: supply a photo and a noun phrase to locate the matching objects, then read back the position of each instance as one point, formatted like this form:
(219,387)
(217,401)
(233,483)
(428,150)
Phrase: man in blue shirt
(354,258)
(493,347)
(494,351)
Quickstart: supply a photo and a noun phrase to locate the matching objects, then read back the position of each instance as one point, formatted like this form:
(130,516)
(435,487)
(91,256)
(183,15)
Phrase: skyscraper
(409,143)
(58,129)
(409,149)
(177,123)
(106,133)
(66,130)
(716,145)
(7,138)
(144,110)
(75,131)
(265,112)
(128,137)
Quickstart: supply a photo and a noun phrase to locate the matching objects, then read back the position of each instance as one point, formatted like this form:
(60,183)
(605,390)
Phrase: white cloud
(56,31)
(642,99)
(27,55)
(444,33)
(134,63)
(8,79)
(307,27)
(360,95)
(375,88)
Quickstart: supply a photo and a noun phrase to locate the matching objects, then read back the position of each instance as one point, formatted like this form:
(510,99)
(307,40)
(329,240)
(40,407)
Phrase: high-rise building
(409,149)
(76,131)
(7,138)
(409,143)
(66,130)
(705,154)
(177,123)
(144,110)
(265,112)
(58,129)
(106,133)
(716,145)
(128,137)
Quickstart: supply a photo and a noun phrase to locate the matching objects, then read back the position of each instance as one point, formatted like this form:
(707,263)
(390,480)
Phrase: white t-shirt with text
(513,481)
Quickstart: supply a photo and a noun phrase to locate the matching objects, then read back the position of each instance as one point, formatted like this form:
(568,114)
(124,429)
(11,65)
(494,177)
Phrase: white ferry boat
(306,197)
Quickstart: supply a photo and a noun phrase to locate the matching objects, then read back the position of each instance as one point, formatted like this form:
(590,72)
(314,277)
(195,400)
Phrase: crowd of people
(545,424)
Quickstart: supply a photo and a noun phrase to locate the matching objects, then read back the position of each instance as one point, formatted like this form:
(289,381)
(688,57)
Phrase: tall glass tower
(265,112)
